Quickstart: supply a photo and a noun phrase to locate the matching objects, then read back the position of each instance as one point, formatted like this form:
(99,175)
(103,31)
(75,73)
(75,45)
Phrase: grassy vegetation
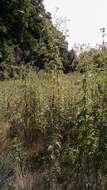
(53,130)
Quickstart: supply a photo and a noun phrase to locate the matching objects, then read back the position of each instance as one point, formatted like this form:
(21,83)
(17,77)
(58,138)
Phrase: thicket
(54,130)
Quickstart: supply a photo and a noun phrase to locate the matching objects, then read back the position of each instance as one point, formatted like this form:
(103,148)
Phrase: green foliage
(57,130)
(27,36)
(53,127)
(93,57)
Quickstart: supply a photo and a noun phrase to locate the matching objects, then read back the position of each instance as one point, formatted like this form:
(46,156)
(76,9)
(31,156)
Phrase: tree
(27,35)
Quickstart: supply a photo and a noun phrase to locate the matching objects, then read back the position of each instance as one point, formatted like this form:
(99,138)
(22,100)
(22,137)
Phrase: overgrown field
(53,131)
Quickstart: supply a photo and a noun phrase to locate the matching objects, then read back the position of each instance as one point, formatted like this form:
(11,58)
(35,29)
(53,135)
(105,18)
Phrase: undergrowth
(53,130)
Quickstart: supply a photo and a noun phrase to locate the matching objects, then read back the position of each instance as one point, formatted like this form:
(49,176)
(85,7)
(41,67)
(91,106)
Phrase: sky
(86,17)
